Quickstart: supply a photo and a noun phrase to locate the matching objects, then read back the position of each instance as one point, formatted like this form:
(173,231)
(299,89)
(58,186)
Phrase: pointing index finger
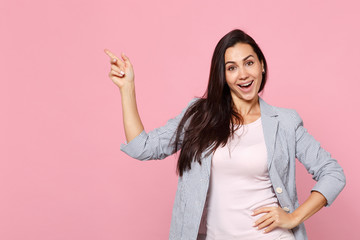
(110,54)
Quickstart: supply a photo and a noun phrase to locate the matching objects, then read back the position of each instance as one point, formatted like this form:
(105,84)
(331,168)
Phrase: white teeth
(247,84)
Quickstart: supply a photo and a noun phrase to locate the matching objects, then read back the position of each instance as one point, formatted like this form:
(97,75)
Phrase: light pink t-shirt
(239,184)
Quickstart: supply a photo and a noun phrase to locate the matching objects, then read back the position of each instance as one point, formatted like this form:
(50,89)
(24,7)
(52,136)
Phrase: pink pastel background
(62,174)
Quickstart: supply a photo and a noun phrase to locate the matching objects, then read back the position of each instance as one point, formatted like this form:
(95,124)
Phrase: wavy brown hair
(211,120)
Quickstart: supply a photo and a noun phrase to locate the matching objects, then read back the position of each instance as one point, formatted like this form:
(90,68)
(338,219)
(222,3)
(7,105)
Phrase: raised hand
(121,72)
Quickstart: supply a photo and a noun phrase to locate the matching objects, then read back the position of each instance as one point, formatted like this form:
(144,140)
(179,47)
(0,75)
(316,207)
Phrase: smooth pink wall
(62,175)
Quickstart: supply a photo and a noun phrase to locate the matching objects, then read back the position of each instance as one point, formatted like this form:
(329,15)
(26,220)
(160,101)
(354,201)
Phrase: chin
(248,97)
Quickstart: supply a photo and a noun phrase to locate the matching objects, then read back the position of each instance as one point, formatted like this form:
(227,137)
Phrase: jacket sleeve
(156,144)
(326,171)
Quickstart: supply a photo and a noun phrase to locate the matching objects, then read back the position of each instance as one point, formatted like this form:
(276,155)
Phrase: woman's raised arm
(122,74)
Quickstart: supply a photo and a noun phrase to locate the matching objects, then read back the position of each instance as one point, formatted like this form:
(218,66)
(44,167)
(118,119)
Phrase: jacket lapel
(270,125)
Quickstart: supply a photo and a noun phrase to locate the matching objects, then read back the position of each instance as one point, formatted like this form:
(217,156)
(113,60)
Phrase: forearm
(131,118)
(312,205)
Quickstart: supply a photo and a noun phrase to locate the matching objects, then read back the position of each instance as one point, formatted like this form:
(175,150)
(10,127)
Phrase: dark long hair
(210,121)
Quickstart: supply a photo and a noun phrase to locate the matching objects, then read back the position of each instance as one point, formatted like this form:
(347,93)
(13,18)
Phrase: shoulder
(288,117)
(190,104)
(288,114)
(193,101)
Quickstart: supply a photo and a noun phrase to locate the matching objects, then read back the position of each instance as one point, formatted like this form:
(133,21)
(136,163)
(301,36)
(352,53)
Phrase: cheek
(259,76)
(257,72)
(259,82)
(230,79)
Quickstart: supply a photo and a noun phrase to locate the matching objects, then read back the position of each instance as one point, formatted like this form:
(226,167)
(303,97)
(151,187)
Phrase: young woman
(237,161)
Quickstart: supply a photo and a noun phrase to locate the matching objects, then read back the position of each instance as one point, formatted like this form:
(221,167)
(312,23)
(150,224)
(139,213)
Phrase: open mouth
(246,85)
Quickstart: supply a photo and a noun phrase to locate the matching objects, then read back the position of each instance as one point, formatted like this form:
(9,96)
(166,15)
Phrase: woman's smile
(246,87)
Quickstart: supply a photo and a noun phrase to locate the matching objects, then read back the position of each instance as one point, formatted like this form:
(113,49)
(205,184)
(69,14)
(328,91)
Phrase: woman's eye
(249,63)
(231,68)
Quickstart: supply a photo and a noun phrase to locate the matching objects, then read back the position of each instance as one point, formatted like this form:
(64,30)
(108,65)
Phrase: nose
(243,74)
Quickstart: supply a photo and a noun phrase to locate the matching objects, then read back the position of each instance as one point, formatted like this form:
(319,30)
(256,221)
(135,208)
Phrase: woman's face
(243,72)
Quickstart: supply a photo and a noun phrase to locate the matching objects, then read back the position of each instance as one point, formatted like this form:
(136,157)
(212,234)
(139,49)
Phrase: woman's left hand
(274,217)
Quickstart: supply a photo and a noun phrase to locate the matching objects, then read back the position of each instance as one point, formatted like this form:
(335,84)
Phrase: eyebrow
(243,59)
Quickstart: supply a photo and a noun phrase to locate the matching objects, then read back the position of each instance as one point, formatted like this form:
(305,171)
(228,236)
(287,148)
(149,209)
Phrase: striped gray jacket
(286,139)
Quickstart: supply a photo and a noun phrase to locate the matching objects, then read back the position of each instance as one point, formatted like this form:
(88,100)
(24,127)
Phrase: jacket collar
(270,126)
(267,109)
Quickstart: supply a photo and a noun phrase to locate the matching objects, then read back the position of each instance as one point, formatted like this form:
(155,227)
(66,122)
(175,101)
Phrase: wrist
(128,88)
(297,219)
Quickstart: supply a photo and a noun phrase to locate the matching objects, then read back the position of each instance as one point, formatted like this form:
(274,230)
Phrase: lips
(246,85)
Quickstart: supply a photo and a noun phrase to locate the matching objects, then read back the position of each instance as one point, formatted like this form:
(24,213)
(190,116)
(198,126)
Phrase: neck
(247,107)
